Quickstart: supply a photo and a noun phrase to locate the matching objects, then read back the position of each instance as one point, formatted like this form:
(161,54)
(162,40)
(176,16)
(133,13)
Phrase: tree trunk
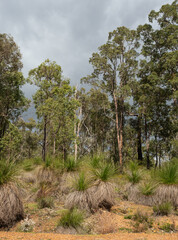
(44,140)
(118,130)
(147,145)
(54,146)
(139,140)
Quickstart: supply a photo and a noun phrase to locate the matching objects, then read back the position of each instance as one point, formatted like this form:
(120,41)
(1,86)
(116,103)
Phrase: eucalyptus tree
(157,87)
(114,69)
(12,100)
(54,105)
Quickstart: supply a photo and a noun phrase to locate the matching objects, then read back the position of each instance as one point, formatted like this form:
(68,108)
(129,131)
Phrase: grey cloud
(68,31)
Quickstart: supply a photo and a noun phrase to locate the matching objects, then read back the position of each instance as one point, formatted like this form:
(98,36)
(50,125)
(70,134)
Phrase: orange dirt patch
(52,236)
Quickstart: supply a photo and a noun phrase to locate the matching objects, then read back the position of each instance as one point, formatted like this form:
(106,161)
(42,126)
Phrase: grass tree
(11,207)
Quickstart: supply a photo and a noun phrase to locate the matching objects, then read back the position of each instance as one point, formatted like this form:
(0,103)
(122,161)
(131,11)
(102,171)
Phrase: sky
(68,31)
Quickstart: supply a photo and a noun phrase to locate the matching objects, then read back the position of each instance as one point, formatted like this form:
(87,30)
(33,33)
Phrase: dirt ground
(117,224)
(117,236)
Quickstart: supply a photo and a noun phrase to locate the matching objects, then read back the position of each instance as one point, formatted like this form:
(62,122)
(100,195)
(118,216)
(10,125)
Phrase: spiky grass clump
(70,165)
(105,171)
(7,171)
(96,160)
(134,173)
(168,174)
(163,209)
(71,218)
(147,188)
(81,183)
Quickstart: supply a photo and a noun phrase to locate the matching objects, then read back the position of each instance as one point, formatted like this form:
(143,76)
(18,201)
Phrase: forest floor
(114,225)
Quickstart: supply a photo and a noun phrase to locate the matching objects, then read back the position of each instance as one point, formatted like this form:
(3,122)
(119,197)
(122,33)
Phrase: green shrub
(95,161)
(133,173)
(163,209)
(168,174)
(71,218)
(168,227)
(28,165)
(81,183)
(71,165)
(105,171)
(7,171)
(45,202)
(147,188)
(128,217)
(142,221)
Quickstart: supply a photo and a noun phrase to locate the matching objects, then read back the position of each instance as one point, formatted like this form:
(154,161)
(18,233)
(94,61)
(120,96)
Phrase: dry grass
(46,175)
(11,207)
(78,199)
(163,193)
(101,195)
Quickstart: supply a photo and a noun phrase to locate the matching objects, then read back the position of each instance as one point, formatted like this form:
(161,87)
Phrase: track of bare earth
(118,236)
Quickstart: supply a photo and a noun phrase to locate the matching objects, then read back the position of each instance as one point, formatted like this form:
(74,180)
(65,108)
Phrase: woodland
(113,139)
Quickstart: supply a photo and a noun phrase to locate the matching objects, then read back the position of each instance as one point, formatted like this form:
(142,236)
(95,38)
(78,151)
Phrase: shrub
(168,174)
(71,218)
(134,173)
(81,183)
(142,221)
(147,188)
(105,171)
(71,165)
(95,161)
(168,227)
(26,225)
(45,202)
(163,209)
(7,171)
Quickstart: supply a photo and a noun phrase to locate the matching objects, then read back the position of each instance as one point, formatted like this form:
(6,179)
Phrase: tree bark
(147,145)
(117,129)
(139,140)
(44,140)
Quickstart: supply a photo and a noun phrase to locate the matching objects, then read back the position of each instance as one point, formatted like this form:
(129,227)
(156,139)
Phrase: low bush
(45,202)
(71,165)
(71,218)
(163,209)
(168,227)
(142,221)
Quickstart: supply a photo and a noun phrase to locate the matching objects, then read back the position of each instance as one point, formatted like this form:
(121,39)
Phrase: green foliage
(45,202)
(71,218)
(168,174)
(71,165)
(134,173)
(8,170)
(105,171)
(147,188)
(95,161)
(168,227)
(142,221)
(31,163)
(163,209)
(12,100)
(81,183)
(11,143)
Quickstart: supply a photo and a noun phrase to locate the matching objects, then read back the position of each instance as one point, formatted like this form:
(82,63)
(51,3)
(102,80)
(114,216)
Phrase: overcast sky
(68,31)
